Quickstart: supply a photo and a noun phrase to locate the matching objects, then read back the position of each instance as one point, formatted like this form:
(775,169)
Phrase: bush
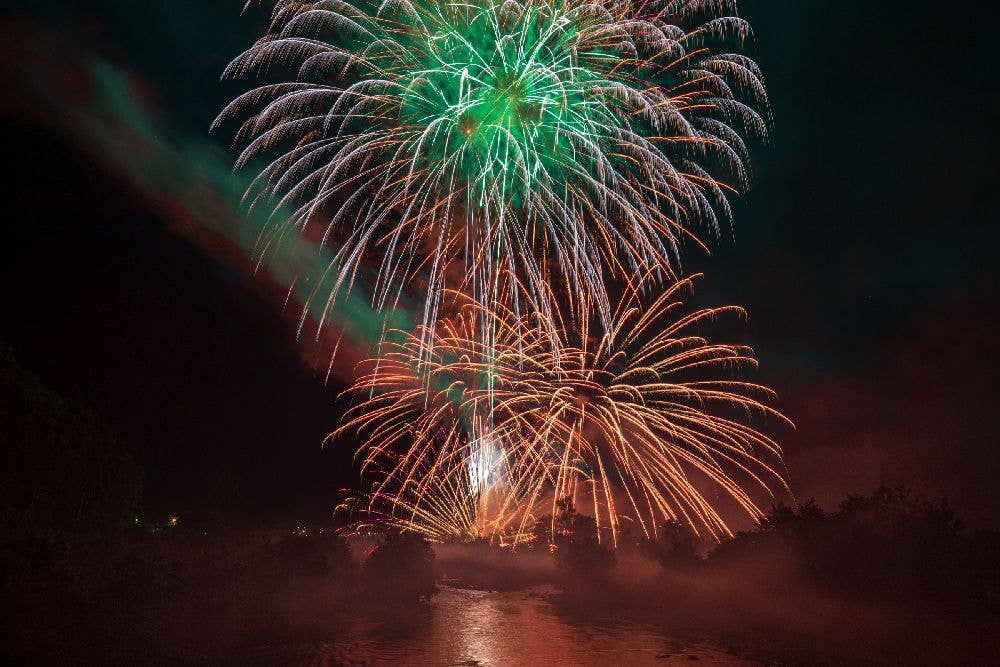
(675,546)
(314,554)
(578,551)
(62,468)
(401,568)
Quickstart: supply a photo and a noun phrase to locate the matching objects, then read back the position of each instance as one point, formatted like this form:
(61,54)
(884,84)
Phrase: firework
(442,465)
(649,417)
(642,420)
(566,142)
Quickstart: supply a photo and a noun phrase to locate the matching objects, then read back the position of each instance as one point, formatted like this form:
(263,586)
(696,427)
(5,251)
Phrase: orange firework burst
(442,464)
(643,418)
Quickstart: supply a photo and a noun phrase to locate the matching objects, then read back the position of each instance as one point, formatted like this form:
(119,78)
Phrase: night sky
(865,253)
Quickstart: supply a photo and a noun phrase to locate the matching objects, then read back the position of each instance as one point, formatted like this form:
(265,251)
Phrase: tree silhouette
(63,468)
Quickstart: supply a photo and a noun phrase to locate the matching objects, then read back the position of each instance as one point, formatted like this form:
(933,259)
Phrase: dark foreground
(782,595)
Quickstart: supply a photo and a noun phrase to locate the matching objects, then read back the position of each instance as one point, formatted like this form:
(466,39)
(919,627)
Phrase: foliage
(891,542)
(63,468)
(579,552)
(402,567)
(675,545)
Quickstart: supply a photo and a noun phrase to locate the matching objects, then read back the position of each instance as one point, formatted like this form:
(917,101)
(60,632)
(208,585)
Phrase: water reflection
(471,628)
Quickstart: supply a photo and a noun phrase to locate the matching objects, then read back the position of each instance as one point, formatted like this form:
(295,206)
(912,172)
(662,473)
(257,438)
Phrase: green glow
(526,152)
(192,181)
(497,97)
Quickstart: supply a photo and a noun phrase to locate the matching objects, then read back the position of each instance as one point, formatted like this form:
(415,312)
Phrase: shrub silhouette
(578,552)
(64,470)
(402,567)
(890,543)
(675,546)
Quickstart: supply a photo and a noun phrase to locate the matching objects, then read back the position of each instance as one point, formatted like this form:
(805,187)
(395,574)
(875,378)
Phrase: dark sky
(865,253)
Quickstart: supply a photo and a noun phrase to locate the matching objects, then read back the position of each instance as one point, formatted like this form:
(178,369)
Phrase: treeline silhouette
(892,543)
(85,583)
(62,468)
(885,578)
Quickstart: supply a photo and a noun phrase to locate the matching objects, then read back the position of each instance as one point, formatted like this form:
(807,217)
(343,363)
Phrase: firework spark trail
(440,464)
(511,455)
(530,156)
(651,407)
(563,141)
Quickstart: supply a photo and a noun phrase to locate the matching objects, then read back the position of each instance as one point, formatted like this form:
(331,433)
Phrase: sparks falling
(563,141)
(526,174)
(640,421)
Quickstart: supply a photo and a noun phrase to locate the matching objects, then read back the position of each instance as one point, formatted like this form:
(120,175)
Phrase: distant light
(174,520)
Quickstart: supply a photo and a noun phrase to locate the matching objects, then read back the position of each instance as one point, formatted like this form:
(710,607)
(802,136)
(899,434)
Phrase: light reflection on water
(471,628)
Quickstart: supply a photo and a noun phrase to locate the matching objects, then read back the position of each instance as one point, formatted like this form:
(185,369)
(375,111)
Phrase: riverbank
(307,596)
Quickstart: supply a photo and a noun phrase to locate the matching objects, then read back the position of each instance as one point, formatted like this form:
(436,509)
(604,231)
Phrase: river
(474,628)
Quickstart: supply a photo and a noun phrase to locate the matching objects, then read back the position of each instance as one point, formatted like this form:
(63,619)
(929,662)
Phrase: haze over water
(477,628)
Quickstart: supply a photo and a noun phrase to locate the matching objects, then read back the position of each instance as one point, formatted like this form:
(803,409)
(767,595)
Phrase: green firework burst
(521,151)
